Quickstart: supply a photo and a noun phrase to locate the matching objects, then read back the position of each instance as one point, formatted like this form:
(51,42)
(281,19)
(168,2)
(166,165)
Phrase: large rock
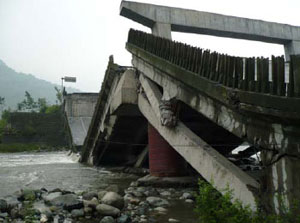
(113,188)
(89,196)
(41,207)
(76,213)
(107,219)
(12,202)
(124,219)
(67,202)
(49,197)
(3,205)
(113,199)
(157,202)
(101,194)
(91,204)
(107,210)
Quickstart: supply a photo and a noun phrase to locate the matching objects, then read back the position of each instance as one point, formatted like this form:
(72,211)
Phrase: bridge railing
(248,74)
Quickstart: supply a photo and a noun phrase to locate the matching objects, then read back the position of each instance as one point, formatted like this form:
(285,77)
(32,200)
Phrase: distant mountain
(13,86)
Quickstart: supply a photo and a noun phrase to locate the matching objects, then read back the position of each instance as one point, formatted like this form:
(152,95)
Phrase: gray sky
(55,38)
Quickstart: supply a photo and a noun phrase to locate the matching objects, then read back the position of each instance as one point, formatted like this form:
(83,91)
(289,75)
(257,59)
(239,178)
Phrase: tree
(59,95)
(28,104)
(2,103)
(42,105)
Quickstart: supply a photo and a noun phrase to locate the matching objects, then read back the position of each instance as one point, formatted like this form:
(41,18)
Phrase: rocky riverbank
(138,203)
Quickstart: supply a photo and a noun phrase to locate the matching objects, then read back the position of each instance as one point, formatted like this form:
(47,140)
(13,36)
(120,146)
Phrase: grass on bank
(212,207)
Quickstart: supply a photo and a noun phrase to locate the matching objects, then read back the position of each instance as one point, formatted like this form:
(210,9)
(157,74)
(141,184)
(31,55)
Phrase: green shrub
(53,109)
(19,147)
(213,207)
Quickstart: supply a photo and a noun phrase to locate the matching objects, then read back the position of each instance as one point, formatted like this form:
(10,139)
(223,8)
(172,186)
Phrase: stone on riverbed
(76,213)
(105,209)
(3,205)
(89,195)
(49,197)
(113,199)
(41,207)
(67,202)
(160,209)
(92,203)
(12,202)
(107,219)
(113,188)
(157,202)
(101,194)
(124,219)
(188,196)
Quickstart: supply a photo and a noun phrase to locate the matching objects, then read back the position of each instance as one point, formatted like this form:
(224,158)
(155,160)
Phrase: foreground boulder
(67,202)
(113,199)
(157,202)
(108,210)
(3,205)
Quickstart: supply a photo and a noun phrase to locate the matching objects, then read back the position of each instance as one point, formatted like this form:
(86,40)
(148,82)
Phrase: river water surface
(53,170)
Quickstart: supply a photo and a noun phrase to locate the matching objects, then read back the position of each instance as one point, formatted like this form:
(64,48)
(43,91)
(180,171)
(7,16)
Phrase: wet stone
(113,199)
(107,219)
(49,197)
(187,196)
(91,204)
(105,209)
(89,196)
(101,194)
(157,202)
(76,213)
(124,219)
(3,205)
(113,188)
(67,202)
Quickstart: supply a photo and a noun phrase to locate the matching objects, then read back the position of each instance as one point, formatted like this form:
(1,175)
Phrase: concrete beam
(202,157)
(124,100)
(191,21)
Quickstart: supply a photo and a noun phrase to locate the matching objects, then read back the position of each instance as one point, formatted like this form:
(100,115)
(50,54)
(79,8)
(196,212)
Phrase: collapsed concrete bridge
(188,105)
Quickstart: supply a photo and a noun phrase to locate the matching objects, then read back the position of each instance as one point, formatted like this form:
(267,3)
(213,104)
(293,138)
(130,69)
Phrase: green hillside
(13,86)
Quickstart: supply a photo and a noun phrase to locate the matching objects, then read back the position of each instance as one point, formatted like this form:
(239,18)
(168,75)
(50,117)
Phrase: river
(53,170)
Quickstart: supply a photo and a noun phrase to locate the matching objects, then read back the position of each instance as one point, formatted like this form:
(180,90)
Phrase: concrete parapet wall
(80,104)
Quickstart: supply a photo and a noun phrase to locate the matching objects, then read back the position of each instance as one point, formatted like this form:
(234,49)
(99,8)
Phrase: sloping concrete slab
(79,127)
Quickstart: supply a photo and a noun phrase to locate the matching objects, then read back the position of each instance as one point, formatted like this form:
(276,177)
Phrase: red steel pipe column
(164,161)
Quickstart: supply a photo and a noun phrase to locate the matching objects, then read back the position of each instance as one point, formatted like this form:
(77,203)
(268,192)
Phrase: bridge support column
(280,185)
(162,30)
(291,48)
(164,161)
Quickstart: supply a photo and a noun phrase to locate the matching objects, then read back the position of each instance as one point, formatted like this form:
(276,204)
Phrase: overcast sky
(55,38)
